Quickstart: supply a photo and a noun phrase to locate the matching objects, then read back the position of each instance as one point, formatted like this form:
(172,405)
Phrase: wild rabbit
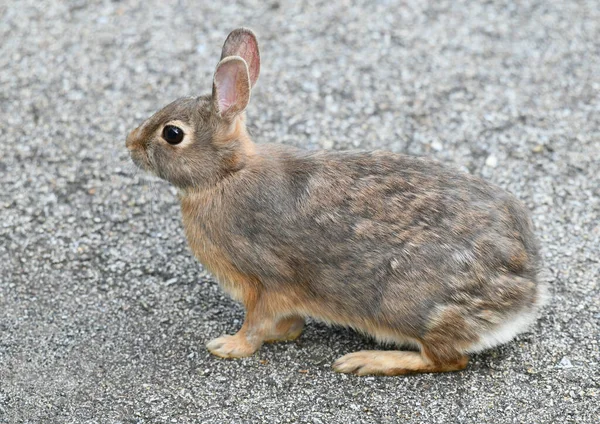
(401,248)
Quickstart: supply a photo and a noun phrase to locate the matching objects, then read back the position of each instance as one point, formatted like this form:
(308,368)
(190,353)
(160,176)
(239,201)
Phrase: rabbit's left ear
(231,87)
(242,42)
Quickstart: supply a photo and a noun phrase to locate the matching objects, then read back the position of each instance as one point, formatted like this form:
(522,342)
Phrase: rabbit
(404,249)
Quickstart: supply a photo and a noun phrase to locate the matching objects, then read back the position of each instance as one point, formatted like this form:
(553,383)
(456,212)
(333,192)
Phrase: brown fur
(400,248)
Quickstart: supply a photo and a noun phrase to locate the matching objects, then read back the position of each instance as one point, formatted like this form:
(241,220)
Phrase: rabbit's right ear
(242,42)
(231,87)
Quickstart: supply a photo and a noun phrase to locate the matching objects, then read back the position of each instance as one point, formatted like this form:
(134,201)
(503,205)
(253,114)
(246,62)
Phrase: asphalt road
(103,311)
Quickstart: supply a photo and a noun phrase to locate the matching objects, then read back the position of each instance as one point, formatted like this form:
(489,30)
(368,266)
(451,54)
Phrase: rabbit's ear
(242,42)
(231,87)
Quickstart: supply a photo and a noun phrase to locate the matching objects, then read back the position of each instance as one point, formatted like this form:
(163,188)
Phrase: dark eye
(173,134)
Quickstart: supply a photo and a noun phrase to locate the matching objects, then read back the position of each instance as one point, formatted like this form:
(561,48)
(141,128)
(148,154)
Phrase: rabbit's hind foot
(382,362)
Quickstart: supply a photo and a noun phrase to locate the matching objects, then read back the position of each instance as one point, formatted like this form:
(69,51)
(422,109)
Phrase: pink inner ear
(232,86)
(227,87)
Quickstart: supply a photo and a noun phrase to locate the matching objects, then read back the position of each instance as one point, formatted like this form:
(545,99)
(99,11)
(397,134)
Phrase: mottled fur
(401,248)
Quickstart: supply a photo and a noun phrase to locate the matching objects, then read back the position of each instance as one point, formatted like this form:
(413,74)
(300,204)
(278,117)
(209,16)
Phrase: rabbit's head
(195,141)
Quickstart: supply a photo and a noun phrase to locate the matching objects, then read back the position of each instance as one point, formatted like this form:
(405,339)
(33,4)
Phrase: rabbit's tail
(513,323)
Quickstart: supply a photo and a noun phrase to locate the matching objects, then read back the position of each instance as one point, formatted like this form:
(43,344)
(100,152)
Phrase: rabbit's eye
(173,134)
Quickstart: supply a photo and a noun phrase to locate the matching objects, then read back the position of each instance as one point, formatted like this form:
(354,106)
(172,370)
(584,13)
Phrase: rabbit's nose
(131,139)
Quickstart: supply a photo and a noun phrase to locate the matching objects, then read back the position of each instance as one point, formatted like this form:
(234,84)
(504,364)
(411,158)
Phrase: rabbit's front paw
(227,346)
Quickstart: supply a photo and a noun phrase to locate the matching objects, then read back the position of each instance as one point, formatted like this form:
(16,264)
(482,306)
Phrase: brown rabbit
(401,248)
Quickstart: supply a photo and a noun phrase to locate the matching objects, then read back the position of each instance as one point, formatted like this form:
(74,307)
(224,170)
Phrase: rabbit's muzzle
(132,142)
(137,150)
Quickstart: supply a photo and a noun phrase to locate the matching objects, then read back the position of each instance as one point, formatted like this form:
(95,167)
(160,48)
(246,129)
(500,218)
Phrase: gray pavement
(103,311)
